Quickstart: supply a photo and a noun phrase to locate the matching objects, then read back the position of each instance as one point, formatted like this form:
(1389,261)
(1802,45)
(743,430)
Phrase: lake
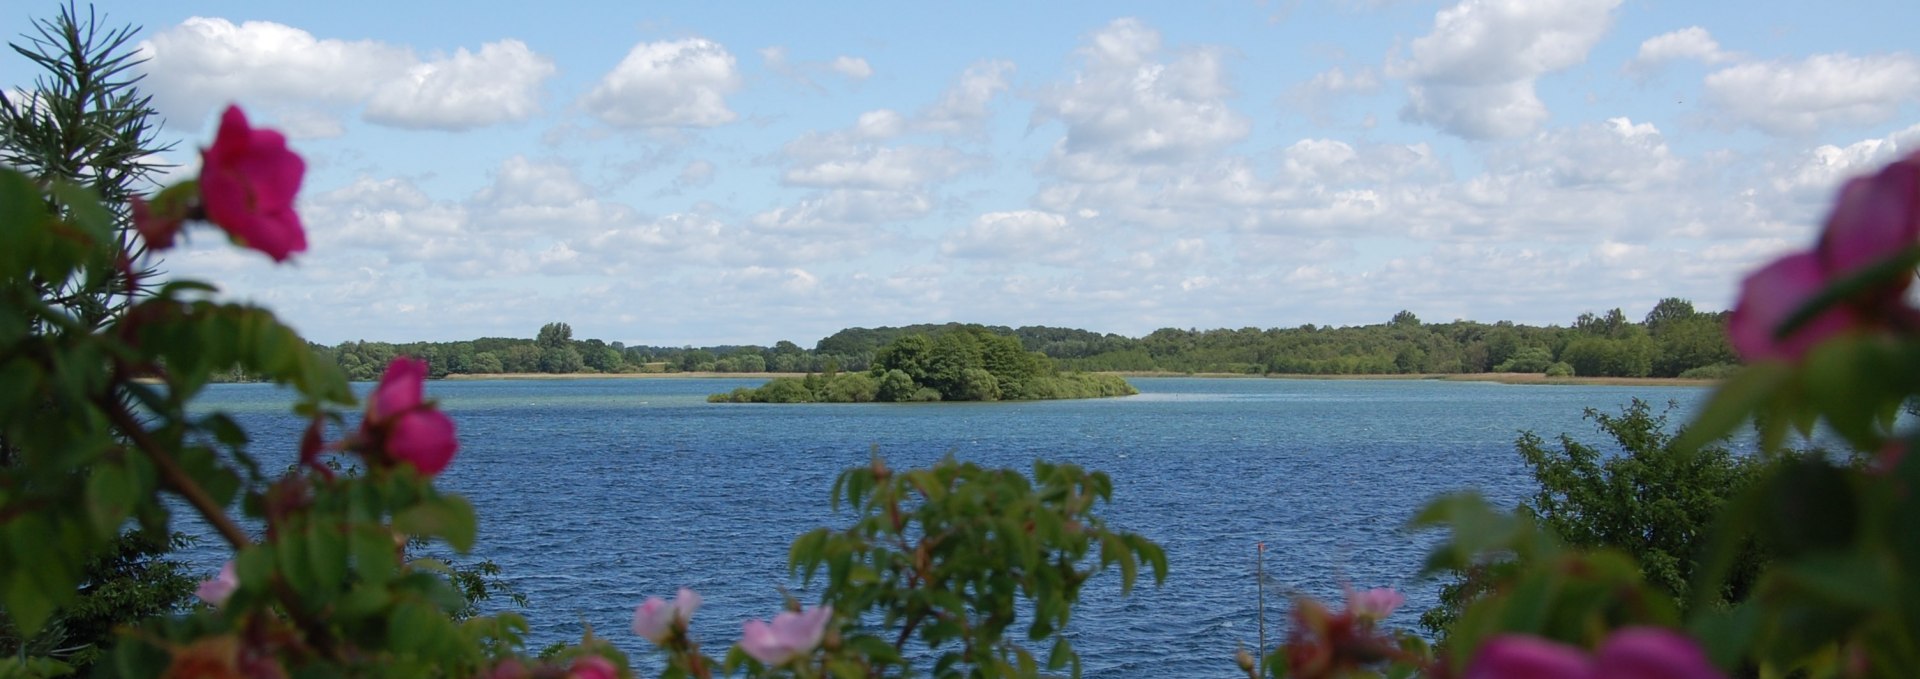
(594,494)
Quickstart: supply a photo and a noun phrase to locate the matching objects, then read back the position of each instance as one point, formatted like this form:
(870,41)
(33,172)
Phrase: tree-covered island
(968,363)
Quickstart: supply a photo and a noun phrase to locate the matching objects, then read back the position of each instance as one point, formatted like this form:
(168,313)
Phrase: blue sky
(704,173)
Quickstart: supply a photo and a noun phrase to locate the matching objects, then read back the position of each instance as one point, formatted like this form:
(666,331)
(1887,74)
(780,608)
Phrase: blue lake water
(594,494)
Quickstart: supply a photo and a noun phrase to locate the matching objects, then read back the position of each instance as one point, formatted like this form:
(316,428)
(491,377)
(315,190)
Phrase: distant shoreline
(1501,378)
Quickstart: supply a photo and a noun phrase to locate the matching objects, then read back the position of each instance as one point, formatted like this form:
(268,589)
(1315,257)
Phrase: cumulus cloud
(854,68)
(204,63)
(1474,75)
(845,209)
(775,59)
(1802,97)
(1618,154)
(1019,233)
(500,83)
(1693,43)
(1124,105)
(963,108)
(1815,174)
(1338,81)
(679,83)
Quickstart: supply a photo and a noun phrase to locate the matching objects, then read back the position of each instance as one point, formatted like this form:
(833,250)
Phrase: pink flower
(1874,218)
(790,636)
(403,425)
(402,387)
(655,619)
(1769,296)
(1631,653)
(247,182)
(1651,653)
(593,667)
(156,228)
(1514,656)
(423,438)
(1374,604)
(215,590)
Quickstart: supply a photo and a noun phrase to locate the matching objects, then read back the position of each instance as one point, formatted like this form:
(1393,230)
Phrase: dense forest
(1673,340)
(966,363)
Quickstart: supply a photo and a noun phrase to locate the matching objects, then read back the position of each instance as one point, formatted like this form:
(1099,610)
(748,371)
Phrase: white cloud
(696,174)
(501,83)
(1795,98)
(1338,81)
(964,106)
(205,63)
(1019,233)
(1692,42)
(775,59)
(854,68)
(1817,174)
(1125,107)
(844,209)
(1618,154)
(680,83)
(874,167)
(1474,75)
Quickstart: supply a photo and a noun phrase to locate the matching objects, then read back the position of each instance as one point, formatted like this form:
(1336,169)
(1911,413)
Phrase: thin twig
(175,476)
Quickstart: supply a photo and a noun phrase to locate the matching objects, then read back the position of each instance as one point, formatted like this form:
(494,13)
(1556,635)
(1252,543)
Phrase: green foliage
(1560,369)
(1531,582)
(1528,360)
(1648,499)
(950,556)
(969,363)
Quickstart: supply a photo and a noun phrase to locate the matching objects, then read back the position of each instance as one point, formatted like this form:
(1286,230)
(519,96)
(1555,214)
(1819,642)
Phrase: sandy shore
(1502,378)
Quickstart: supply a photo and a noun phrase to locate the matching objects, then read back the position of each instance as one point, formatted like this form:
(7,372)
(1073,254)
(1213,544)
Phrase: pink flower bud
(402,388)
(655,619)
(1630,653)
(1652,653)
(215,590)
(1771,295)
(1514,656)
(423,438)
(1374,604)
(402,425)
(1874,218)
(593,667)
(790,636)
(248,179)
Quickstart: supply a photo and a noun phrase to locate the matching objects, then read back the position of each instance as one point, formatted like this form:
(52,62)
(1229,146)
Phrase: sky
(742,173)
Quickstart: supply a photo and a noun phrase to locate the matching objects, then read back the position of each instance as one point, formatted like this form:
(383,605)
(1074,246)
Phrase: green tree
(85,122)
(554,335)
(1653,500)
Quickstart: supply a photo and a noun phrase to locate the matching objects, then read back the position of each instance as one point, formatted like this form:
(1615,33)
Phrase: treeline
(967,363)
(1672,340)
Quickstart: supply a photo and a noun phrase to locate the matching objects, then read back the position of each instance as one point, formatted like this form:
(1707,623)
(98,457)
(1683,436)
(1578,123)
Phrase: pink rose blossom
(1652,653)
(403,425)
(655,619)
(402,388)
(248,179)
(215,590)
(593,667)
(1374,604)
(1631,653)
(1769,296)
(790,636)
(1874,218)
(423,438)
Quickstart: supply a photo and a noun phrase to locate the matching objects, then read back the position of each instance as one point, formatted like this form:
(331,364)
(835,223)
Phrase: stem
(174,475)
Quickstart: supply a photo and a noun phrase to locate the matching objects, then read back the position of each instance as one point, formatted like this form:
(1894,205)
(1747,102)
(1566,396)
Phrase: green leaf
(448,517)
(1736,400)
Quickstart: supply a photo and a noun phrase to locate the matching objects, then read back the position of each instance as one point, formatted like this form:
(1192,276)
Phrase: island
(967,363)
